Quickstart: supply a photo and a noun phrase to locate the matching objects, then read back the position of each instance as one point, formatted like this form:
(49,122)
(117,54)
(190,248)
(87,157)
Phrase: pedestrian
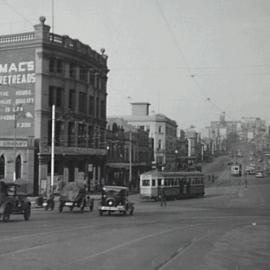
(163,201)
(246,182)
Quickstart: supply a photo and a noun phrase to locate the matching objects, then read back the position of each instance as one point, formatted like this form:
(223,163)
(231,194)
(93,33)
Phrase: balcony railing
(17,38)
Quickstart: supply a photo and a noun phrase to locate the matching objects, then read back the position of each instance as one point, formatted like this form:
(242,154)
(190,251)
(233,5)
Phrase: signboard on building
(17,86)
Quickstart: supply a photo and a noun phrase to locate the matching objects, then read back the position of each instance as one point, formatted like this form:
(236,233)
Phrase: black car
(13,202)
(115,199)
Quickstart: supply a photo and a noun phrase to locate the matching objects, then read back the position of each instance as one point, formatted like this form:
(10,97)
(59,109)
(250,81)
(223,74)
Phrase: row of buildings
(39,69)
(226,135)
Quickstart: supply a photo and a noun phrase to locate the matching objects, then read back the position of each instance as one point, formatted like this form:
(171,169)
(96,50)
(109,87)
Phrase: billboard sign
(17,97)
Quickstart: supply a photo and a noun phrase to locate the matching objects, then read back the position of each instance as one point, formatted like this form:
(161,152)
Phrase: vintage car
(13,202)
(259,174)
(115,199)
(73,195)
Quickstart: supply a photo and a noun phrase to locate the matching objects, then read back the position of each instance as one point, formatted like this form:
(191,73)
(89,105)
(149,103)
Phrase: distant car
(13,202)
(259,175)
(115,199)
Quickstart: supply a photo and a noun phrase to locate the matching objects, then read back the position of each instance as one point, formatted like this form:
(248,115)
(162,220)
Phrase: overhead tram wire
(180,51)
(18,13)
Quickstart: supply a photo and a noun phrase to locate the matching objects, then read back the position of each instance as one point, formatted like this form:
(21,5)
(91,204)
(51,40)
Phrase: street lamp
(176,159)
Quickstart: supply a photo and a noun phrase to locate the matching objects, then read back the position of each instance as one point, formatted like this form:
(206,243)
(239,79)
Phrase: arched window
(2,167)
(18,167)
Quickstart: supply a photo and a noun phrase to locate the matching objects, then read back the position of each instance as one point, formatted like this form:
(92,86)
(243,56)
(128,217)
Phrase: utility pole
(15,141)
(130,157)
(52,150)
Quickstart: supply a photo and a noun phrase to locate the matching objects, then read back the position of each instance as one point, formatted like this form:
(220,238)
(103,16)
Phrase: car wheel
(27,214)
(6,214)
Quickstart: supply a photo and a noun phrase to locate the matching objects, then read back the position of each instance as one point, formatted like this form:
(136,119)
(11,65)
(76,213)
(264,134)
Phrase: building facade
(162,129)
(130,153)
(37,70)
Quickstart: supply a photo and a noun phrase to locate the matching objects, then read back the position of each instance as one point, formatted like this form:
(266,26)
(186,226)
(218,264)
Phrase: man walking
(163,201)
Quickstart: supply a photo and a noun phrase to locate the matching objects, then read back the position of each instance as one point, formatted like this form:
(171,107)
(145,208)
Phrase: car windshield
(114,192)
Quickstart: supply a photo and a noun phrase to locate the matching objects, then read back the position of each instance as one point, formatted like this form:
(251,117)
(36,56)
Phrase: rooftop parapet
(42,34)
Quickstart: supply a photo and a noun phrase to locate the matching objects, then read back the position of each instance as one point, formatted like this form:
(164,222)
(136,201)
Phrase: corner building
(37,70)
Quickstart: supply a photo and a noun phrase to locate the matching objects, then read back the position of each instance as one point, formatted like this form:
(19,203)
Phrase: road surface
(227,229)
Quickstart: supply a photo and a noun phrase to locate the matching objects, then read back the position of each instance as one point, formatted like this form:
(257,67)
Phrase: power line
(17,12)
(180,51)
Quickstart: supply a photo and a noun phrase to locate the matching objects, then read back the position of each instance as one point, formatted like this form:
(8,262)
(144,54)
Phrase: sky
(190,59)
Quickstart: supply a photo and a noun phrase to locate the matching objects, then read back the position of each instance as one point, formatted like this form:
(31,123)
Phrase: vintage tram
(176,185)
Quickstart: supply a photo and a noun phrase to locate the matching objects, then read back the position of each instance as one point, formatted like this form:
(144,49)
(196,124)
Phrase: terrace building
(37,70)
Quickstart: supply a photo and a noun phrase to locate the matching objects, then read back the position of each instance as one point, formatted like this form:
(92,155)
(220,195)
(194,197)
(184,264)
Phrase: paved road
(228,229)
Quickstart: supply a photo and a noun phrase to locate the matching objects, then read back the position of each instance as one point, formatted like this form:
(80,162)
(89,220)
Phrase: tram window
(153,183)
(159,182)
(145,183)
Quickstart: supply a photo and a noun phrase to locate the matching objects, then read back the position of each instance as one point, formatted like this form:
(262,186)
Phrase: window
(92,79)
(56,96)
(103,109)
(159,129)
(97,107)
(59,131)
(81,134)
(55,65)
(145,183)
(71,134)
(90,136)
(59,66)
(51,64)
(72,71)
(153,183)
(72,99)
(91,105)
(51,96)
(83,73)
(59,97)
(82,102)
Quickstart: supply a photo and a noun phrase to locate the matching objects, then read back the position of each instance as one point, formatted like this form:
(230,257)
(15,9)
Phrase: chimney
(140,108)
